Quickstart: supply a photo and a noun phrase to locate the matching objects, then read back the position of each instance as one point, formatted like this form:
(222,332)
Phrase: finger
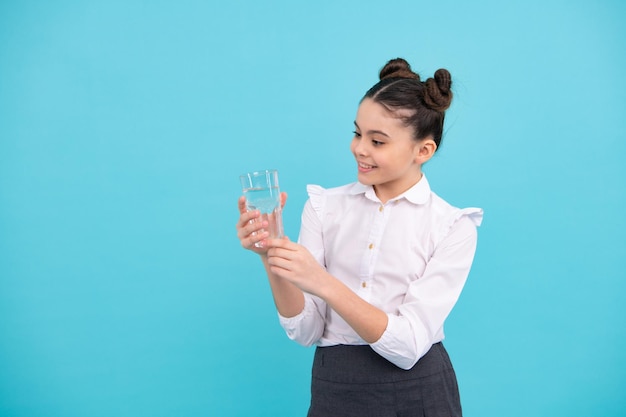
(246,217)
(283,199)
(251,241)
(242,204)
(283,243)
(278,243)
(280,263)
(246,229)
(282,252)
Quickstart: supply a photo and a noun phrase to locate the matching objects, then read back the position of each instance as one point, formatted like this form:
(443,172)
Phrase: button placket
(369,258)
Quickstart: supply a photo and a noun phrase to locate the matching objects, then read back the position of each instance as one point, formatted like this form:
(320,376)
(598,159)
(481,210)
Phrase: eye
(356,134)
(377,143)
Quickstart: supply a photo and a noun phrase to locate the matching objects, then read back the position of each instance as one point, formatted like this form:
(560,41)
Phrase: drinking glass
(262,193)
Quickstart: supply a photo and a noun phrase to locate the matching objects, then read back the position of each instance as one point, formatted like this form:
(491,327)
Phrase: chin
(364,180)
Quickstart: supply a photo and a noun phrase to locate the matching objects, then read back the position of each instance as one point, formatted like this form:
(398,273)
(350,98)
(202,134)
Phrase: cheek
(353,145)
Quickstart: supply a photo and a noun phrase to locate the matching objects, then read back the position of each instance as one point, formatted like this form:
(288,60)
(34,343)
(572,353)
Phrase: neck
(386,192)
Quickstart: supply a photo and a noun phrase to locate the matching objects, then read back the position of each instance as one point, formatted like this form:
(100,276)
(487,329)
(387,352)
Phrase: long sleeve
(419,320)
(409,257)
(307,327)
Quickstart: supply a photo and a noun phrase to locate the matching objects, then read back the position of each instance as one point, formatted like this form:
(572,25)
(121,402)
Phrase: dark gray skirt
(356,381)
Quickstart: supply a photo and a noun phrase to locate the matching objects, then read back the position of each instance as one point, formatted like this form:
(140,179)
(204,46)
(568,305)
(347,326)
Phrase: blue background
(125,124)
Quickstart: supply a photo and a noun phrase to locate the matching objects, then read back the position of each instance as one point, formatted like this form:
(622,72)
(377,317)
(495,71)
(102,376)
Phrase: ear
(425,150)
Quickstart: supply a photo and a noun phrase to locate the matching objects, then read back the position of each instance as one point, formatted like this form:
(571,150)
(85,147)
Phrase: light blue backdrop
(124,126)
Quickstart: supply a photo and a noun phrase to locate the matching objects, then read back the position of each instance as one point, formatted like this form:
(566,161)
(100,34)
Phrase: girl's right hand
(248,230)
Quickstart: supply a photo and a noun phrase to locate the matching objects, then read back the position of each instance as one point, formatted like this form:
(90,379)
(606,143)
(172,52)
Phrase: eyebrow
(380,132)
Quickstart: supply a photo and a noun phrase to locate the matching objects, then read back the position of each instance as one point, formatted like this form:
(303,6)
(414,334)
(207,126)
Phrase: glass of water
(262,193)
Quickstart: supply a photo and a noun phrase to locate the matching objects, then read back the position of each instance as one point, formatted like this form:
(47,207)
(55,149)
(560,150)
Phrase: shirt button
(381,208)
(364,284)
(371,246)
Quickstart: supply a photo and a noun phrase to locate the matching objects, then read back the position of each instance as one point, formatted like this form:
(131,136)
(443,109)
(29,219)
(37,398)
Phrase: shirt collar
(418,194)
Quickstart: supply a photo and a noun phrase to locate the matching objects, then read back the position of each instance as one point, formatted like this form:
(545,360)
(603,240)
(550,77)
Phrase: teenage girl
(379,263)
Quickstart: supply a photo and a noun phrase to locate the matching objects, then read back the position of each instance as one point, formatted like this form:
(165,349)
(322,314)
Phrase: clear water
(266,200)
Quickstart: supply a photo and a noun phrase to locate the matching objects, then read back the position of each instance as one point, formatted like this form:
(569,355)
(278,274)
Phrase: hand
(248,229)
(294,263)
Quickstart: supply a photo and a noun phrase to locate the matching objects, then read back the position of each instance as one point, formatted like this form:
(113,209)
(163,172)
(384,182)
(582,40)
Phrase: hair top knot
(419,105)
(438,95)
(398,68)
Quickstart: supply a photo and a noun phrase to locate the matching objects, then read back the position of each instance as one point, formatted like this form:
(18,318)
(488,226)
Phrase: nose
(358,147)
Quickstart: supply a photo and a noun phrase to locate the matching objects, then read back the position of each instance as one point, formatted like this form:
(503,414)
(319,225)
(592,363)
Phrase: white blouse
(409,257)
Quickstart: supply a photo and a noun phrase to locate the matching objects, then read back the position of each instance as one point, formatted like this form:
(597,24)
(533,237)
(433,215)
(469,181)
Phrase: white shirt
(409,257)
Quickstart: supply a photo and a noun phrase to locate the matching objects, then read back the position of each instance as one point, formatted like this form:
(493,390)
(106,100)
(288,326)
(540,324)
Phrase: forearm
(288,298)
(293,270)
(367,321)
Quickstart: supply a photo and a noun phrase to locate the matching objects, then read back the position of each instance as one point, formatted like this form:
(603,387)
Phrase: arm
(294,263)
(404,337)
(429,299)
(300,315)
(366,320)
(288,298)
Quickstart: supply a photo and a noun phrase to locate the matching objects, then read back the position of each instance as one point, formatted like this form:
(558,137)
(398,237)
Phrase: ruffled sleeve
(471,215)
(475,214)
(307,327)
(317,197)
(419,322)
(311,235)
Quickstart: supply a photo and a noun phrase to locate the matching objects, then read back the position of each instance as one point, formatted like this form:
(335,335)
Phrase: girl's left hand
(295,263)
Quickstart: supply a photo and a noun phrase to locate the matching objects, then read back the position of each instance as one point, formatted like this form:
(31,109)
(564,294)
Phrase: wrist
(330,288)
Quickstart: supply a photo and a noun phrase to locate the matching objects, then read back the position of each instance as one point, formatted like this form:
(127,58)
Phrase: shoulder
(348,189)
(447,217)
(317,192)
(320,198)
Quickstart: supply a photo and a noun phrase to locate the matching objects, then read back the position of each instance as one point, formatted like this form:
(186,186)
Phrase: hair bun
(397,68)
(438,95)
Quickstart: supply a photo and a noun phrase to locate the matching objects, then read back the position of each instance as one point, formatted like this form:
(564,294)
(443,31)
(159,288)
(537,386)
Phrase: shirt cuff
(293,325)
(397,344)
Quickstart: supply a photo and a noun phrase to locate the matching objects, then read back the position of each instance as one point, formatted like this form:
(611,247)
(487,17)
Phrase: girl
(379,264)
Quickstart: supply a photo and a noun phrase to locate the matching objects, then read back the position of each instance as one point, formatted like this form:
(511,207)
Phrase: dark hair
(418,104)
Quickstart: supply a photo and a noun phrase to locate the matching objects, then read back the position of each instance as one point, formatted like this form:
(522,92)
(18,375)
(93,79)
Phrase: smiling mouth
(365,166)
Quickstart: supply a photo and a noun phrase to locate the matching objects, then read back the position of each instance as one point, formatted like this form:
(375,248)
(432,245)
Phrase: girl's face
(388,158)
